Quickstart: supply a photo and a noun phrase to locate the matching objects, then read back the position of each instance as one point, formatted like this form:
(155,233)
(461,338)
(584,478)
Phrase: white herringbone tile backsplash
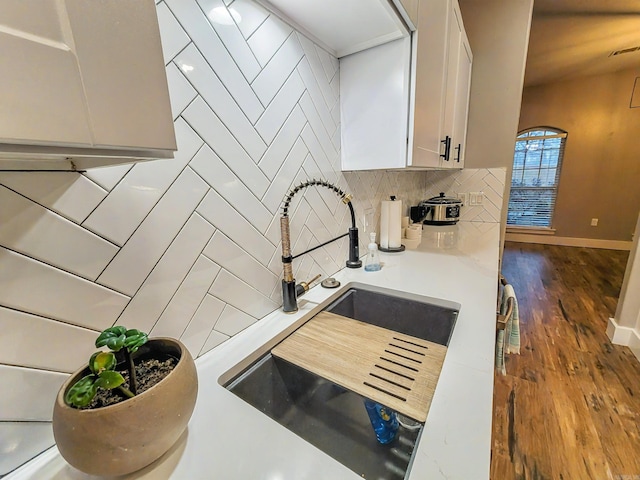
(189,247)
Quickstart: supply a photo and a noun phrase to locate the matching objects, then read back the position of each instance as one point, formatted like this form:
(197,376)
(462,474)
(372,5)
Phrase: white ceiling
(573,38)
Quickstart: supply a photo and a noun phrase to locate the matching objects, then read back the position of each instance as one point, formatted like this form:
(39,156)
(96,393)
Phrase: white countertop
(229,439)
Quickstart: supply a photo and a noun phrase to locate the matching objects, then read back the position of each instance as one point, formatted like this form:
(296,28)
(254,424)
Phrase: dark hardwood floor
(569,406)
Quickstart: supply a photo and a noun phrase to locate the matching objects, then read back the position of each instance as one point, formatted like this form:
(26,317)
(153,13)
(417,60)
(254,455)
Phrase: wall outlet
(594,222)
(476,198)
(463,198)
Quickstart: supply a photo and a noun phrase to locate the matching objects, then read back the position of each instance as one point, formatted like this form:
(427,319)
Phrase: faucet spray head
(289,290)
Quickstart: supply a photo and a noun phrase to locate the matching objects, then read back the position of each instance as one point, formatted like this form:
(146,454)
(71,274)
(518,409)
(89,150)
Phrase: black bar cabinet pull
(447,148)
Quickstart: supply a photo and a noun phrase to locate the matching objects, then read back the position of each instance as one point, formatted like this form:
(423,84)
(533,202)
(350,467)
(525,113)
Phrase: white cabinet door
(123,73)
(451,76)
(458,78)
(373,95)
(374,107)
(83,84)
(461,116)
(429,83)
(41,94)
(442,86)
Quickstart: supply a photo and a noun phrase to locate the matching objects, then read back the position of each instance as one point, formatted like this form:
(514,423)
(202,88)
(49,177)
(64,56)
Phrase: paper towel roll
(405,222)
(395,224)
(384,224)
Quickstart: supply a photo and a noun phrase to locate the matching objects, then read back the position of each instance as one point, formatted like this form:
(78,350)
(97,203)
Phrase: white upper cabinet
(83,84)
(408,9)
(436,65)
(458,82)
(463,90)
(441,86)
(343,27)
(429,85)
(374,106)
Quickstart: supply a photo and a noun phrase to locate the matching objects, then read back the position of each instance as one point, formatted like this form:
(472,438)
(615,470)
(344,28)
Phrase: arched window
(536,172)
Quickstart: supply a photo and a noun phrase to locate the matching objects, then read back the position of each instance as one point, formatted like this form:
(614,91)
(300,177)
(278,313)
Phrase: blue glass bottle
(383,420)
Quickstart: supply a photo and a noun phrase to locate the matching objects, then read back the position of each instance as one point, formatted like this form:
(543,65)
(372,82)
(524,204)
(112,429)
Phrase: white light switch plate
(476,198)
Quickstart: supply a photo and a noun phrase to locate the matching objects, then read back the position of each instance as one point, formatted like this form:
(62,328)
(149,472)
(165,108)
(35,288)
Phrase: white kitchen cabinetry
(435,107)
(458,82)
(408,9)
(374,106)
(340,27)
(83,84)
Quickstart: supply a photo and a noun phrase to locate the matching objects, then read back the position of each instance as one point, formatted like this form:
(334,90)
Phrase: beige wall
(498,32)
(601,173)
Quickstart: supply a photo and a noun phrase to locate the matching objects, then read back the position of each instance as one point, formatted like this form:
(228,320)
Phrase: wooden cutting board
(396,370)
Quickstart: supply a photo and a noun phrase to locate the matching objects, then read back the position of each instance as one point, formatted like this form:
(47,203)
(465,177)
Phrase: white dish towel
(508,340)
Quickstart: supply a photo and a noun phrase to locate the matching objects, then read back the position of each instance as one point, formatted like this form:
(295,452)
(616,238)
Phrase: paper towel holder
(401,248)
(391,250)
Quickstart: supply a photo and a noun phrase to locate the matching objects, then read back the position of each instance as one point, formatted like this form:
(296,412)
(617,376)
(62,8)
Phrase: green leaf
(109,379)
(112,337)
(135,339)
(101,361)
(82,392)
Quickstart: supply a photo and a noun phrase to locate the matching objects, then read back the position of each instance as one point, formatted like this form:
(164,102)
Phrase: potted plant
(128,406)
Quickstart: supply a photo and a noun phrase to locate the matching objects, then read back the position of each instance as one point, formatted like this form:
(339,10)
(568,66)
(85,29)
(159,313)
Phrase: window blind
(537,162)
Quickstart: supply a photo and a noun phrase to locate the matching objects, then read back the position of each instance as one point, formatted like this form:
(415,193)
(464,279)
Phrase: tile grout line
(292,144)
(187,275)
(297,104)
(211,66)
(224,45)
(61,215)
(52,319)
(149,212)
(165,250)
(61,269)
(37,369)
(249,286)
(243,250)
(154,266)
(235,209)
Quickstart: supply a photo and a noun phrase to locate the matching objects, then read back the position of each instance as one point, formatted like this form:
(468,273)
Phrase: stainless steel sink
(328,416)
(428,318)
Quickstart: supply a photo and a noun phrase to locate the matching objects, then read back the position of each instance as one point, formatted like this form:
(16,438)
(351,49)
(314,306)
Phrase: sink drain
(330,283)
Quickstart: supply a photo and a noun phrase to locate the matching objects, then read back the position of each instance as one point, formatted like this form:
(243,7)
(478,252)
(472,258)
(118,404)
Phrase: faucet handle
(303,287)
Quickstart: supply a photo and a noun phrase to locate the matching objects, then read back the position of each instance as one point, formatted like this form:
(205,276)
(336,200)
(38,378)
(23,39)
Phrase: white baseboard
(569,241)
(617,334)
(627,336)
(634,343)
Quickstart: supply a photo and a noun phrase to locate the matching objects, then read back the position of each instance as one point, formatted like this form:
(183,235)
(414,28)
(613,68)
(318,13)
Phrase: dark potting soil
(148,373)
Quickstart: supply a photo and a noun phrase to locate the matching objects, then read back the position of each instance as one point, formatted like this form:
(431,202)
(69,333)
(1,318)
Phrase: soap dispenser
(372,263)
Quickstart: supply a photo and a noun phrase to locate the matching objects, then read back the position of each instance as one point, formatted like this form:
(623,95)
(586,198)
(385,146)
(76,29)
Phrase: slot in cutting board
(396,370)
